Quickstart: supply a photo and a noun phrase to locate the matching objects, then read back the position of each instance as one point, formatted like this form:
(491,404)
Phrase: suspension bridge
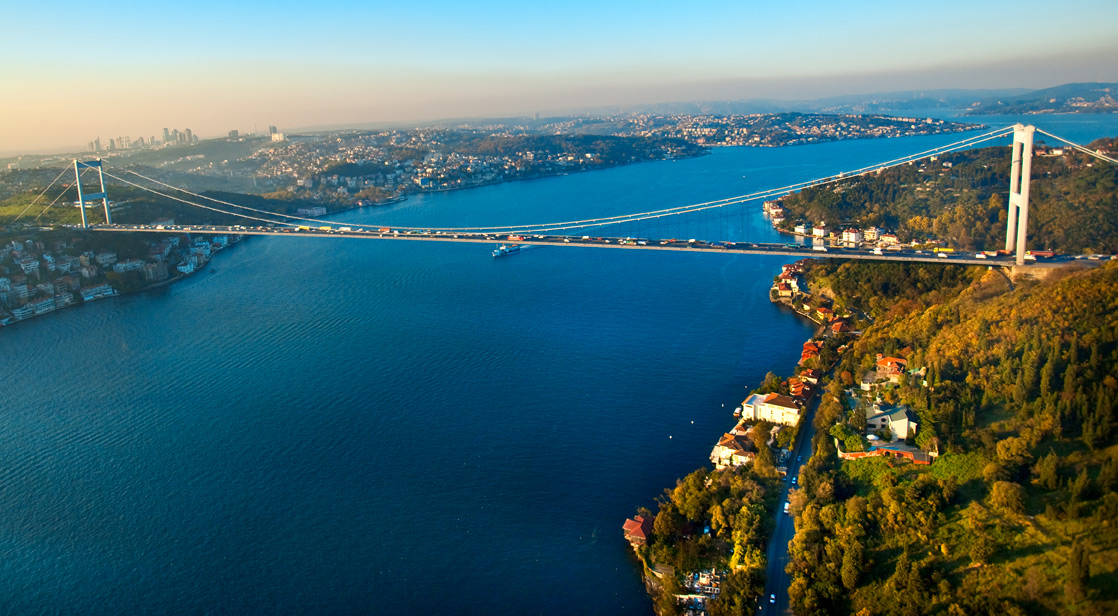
(647,230)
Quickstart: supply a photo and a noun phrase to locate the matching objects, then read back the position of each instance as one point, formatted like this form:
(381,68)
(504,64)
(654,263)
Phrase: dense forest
(961,198)
(1019,396)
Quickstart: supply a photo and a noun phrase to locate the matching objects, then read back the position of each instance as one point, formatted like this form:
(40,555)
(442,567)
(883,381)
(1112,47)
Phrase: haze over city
(80,70)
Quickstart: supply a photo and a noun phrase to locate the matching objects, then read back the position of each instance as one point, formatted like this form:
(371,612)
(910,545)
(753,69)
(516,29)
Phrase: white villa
(776,408)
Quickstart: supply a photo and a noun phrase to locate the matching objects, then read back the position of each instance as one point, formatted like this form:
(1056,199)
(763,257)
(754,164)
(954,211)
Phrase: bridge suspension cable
(61,194)
(1098,155)
(592,222)
(696,207)
(205,207)
(36,200)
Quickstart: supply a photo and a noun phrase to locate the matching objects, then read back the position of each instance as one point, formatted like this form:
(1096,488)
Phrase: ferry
(504,250)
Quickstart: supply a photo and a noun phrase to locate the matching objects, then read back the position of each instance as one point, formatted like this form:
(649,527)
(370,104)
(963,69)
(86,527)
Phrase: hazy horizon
(113,70)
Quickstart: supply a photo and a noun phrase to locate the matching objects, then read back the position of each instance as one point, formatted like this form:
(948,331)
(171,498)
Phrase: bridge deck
(749,248)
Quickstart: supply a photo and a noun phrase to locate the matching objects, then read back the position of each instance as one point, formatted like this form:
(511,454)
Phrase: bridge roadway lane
(604,242)
(777,580)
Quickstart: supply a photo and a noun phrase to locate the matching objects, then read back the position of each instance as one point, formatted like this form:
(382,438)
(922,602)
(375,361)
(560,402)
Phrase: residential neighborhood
(38,277)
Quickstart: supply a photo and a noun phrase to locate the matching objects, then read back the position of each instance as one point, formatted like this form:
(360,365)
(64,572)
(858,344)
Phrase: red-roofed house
(890,368)
(811,375)
(810,350)
(732,450)
(638,530)
(839,327)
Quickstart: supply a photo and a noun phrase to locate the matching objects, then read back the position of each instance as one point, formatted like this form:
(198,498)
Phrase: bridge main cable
(593,222)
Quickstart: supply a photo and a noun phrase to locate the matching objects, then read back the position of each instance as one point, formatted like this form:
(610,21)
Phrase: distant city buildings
(171,137)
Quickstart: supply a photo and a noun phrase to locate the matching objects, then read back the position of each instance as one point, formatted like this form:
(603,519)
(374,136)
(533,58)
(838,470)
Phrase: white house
(900,420)
(776,408)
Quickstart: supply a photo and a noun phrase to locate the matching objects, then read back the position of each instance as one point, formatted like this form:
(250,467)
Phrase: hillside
(1066,98)
(961,198)
(1017,390)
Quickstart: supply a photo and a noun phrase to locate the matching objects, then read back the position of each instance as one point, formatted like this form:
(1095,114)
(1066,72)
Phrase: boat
(506,249)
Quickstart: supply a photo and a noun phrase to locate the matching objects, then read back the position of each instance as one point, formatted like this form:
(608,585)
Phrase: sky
(75,71)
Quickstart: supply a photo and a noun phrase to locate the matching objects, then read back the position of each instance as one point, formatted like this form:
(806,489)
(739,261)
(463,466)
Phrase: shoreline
(650,578)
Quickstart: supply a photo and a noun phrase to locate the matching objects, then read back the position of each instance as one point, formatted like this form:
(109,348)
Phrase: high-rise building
(97,144)
(166,135)
(233,134)
(272,130)
(91,147)
(189,136)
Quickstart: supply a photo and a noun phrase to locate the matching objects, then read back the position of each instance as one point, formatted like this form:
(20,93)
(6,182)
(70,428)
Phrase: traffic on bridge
(840,251)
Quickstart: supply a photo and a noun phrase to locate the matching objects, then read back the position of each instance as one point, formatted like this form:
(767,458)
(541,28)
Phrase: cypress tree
(1048,374)
(1070,376)
(1078,572)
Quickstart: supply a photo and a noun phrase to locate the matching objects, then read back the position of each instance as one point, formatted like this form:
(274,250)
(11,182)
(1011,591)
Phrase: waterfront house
(732,450)
(22,312)
(852,235)
(811,375)
(776,408)
(810,350)
(799,389)
(819,230)
(638,530)
(801,229)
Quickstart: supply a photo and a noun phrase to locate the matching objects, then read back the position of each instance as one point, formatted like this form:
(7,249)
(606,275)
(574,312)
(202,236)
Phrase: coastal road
(777,580)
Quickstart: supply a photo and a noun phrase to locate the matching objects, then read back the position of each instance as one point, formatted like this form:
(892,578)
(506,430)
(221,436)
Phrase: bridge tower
(1019,173)
(82,197)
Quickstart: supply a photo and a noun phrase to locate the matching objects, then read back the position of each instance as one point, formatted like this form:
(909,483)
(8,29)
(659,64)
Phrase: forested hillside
(961,198)
(1017,390)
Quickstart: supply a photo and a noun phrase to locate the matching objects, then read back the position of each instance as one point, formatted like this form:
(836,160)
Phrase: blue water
(359,426)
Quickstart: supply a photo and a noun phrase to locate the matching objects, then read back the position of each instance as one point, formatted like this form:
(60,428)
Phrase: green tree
(1078,572)
(1048,471)
(981,548)
(1007,497)
(853,559)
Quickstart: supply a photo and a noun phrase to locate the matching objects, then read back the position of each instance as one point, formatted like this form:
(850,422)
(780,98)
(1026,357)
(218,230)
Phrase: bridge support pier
(82,197)
(1020,171)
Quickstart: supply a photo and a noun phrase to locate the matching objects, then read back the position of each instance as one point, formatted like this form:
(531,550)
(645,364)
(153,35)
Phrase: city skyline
(126,70)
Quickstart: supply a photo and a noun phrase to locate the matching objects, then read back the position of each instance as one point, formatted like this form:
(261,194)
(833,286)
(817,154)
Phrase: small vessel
(506,249)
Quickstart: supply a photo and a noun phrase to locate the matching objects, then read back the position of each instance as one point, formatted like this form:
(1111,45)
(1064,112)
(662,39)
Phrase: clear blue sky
(77,70)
